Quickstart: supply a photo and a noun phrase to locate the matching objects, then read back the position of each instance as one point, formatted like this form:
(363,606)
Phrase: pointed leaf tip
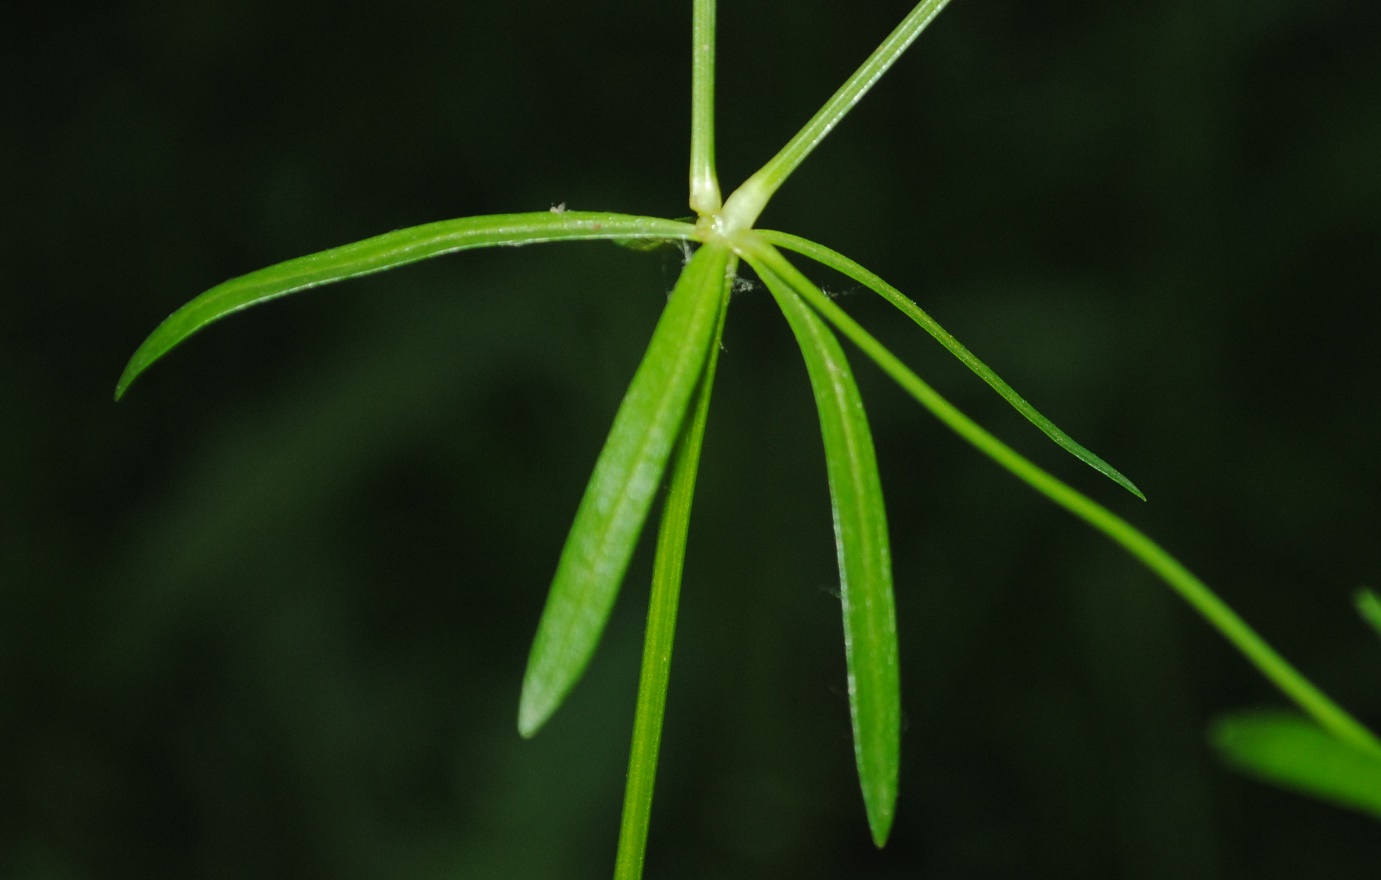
(534,709)
(880,816)
(851,269)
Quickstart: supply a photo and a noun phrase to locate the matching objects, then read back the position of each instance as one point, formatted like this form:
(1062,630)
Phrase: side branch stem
(747,202)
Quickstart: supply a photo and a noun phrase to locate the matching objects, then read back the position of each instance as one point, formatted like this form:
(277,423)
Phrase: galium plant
(656,438)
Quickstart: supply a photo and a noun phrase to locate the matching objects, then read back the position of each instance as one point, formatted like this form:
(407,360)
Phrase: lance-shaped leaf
(1276,668)
(1295,753)
(660,636)
(620,492)
(386,252)
(865,562)
(851,269)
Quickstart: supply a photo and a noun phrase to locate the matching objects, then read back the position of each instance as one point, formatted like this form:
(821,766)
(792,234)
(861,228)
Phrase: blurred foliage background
(268,617)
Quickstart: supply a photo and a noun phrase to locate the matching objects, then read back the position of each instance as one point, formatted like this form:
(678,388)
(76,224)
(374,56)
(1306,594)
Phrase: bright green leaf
(1295,753)
(865,562)
(385,252)
(655,678)
(1276,668)
(620,492)
(848,267)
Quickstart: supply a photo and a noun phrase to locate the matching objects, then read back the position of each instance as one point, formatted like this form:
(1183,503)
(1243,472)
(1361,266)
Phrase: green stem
(704,185)
(747,202)
(661,626)
(1274,667)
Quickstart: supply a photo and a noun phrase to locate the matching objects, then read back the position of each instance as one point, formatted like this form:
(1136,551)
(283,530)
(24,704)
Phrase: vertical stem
(704,185)
(661,623)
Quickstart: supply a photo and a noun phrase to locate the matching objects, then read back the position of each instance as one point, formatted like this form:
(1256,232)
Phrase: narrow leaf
(386,252)
(1295,753)
(655,678)
(1255,649)
(848,267)
(865,563)
(625,479)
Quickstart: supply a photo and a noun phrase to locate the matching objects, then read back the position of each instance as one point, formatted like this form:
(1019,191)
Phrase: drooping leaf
(1369,606)
(851,269)
(654,680)
(865,562)
(621,489)
(1218,613)
(383,252)
(1295,753)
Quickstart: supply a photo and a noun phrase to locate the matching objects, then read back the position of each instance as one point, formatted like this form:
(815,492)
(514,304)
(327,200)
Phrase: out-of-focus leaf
(1294,752)
(1370,608)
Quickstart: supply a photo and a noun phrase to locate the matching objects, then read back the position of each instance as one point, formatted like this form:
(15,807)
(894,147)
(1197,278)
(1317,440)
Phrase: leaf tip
(123,385)
(881,809)
(879,780)
(135,367)
(1105,469)
(535,706)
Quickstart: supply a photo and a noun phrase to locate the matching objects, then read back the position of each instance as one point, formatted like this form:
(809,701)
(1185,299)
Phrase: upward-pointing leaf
(1294,752)
(620,492)
(865,562)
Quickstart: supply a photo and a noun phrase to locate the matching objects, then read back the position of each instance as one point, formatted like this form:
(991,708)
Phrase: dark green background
(267,618)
